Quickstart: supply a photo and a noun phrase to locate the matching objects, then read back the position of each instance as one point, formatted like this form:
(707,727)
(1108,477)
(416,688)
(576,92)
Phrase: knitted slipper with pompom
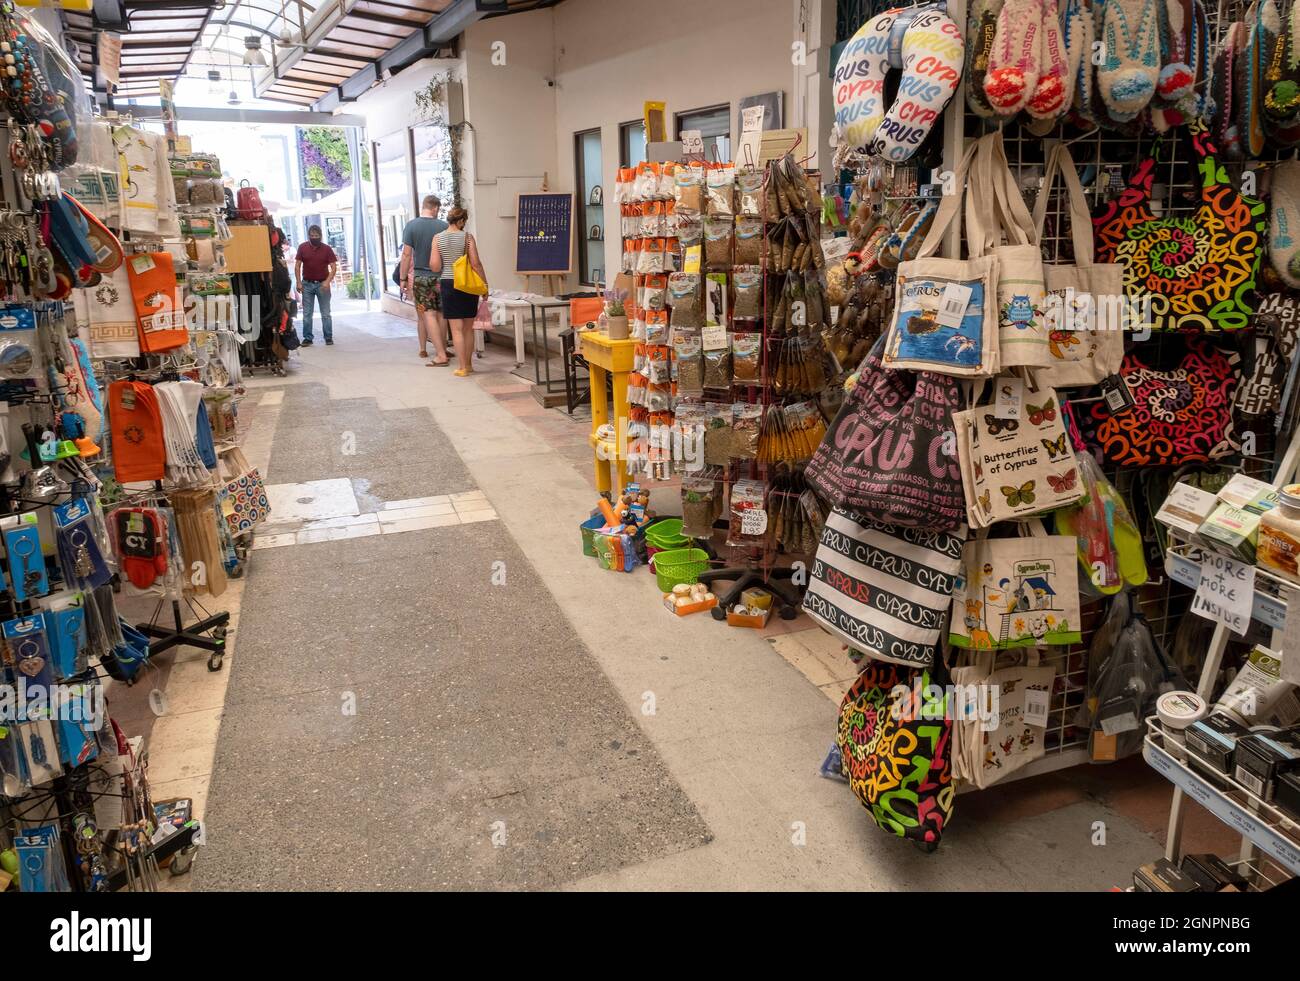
(1263,24)
(1049,98)
(1284,221)
(1078,34)
(1177,77)
(1130,37)
(1223,90)
(1016,59)
(981,28)
(1282,78)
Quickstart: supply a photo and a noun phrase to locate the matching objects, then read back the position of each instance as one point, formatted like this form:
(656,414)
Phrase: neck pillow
(927,46)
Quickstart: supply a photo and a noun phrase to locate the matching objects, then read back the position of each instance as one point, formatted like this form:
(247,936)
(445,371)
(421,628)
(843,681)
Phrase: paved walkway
(430,687)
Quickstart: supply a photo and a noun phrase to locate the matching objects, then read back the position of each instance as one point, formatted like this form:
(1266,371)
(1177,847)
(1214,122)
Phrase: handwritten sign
(545,234)
(1225,592)
(692,142)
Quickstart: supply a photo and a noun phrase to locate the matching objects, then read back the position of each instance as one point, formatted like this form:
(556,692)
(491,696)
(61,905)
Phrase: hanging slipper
(1177,78)
(1284,222)
(913,236)
(1262,26)
(1015,62)
(1078,33)
(1049,98)
(981,27)
(1282,100)
(1130,38)
(1224,93)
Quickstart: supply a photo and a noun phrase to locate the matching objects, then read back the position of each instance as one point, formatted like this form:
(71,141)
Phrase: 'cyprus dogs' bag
(1022,328)
(1085,299)
(945,310)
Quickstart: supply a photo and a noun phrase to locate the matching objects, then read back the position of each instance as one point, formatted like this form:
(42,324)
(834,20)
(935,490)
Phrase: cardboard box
(758,621)
(1186,509)
(1163,875)
(1212,744)
(1232,530)
(1212,873)
(1262,757)
(248,249)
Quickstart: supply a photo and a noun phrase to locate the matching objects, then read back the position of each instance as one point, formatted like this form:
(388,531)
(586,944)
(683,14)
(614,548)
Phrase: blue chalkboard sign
(544,243)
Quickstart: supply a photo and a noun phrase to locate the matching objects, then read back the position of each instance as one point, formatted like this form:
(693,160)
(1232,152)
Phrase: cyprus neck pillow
(927,46)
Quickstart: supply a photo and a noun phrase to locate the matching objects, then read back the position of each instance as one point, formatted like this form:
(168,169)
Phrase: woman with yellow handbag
(455,260)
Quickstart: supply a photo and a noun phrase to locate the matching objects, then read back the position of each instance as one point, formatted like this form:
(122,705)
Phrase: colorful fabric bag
(1013,468)
(1017,592)
(1193,270)
(887,454)
(895,749)
(242,501)
(1084,317)
(1168,418)
(1005,734)
(1277,333)
(883,590)
(945,310)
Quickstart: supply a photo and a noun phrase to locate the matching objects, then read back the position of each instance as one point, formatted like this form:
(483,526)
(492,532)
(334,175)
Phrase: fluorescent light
(214,82)
(253,50)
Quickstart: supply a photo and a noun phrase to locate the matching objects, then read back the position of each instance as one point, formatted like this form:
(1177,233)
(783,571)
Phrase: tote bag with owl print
(1013,468)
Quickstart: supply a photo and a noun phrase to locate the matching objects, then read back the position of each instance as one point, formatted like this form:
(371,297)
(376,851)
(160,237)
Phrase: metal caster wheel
(214,662)
(182,861)
(718,613)
(788,613)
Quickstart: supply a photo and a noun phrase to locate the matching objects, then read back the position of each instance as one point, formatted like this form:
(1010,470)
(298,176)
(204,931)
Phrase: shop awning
(332,203)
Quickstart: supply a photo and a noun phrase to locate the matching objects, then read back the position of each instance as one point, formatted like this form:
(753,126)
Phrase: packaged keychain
(81,544)
(27,574)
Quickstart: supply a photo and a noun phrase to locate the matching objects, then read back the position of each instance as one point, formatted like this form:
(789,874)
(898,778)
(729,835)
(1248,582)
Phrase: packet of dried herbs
(701,505)
(688,190)
(690,423)
(746,357)
(747,281)
(718,235)
(747,420)
(722,191)
(687,300)
(717,438)
(749,193)
(749,241)
(717,369)
(690,362)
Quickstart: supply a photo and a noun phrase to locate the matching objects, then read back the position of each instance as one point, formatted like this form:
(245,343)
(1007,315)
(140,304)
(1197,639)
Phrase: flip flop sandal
(1130,36)
(1015,62)
(873,246)
(1284,222)
(1282,99)
(914,235)
(103,243)
(439,364)
(1049,98)
(981,26)
(891,255)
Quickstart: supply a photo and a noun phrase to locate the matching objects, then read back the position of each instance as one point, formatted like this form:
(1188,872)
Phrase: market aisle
(621,748)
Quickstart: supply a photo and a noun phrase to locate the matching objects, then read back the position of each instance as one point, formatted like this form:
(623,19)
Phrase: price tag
(691,264)
(714,338)
(1116,393)
(953,304)
(142,263)
(1037,702)
(1225,592)
(1010,395)
(753,521)
(1116,724)
(692,142)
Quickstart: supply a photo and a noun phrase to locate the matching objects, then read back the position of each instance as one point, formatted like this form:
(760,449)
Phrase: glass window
(714,125)
(591,207)
(631,138)
(396,197)
(432,145)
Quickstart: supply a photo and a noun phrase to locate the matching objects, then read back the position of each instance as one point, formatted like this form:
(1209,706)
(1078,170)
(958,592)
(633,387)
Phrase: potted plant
(616,315)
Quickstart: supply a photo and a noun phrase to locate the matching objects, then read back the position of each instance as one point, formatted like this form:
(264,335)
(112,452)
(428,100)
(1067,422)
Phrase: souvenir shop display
(119,384)
(1070,411)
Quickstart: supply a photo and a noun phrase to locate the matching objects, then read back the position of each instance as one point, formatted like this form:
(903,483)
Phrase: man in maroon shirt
(314,268)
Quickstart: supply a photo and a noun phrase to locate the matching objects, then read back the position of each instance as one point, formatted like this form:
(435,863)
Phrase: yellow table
(605,358)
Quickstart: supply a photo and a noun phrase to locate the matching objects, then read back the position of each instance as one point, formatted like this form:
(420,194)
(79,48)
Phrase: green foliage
(316,176)
(357,286)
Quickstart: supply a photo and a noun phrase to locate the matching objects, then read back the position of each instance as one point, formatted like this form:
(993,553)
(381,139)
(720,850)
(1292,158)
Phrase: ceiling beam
(288,117)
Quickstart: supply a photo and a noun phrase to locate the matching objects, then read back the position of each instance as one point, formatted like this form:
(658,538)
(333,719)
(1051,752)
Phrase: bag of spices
(721,182)
(717,370)
(717,438)
(746,421)
(689,425)
(748,522)
(656,326)
(690,362)
(701,506)
(749,241)
(749,193)
(746,357)
(652,257)
(747,281)
(688,189)
(687,300)
(718,235)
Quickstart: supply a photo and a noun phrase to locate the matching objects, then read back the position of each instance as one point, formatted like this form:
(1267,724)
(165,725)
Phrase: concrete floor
(393,715)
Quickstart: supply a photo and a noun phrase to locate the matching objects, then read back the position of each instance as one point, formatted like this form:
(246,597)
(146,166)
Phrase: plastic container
(1177,710)
(588,529)
(1278,547)
(666,534)
(679,565)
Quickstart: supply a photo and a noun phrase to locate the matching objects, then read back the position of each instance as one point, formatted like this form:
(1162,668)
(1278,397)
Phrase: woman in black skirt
(459,308)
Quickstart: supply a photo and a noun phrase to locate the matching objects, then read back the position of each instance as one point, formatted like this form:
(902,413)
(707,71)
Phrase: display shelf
(1259,822)
(1182,563)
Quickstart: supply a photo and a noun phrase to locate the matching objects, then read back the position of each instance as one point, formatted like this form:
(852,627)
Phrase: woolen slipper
(1015,62)
(1049,97)
(1130,37)
(1224,91)
(1262,25)
(1177,77)
(1282,100)
(981,27)
(1078,34)
(1284,221)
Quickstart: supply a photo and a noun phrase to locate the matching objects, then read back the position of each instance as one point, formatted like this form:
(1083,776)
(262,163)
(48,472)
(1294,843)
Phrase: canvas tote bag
(1085,299)
(882,590)
(945,310)
(889,453)
(1012,468)
(1017,592)
(1007,731)
(1022,328)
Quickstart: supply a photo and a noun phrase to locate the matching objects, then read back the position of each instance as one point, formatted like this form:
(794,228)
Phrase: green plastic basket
(679,565)
(666,534)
